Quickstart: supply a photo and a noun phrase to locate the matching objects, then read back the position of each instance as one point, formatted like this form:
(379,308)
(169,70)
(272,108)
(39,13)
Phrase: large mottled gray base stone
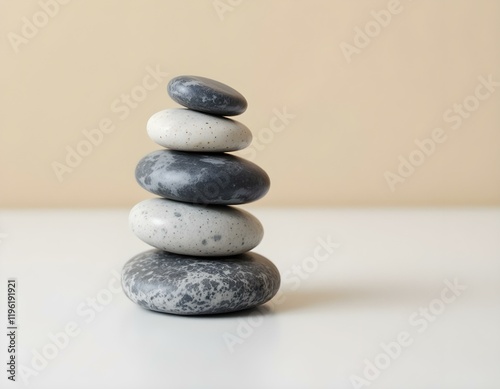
(187,285)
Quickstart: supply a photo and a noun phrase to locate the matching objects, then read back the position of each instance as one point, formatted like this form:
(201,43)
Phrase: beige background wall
(352,119)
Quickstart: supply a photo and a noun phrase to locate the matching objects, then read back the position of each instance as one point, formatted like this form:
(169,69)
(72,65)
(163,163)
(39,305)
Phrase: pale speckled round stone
(188,130)
(206,95)
(192,229)
(183,285)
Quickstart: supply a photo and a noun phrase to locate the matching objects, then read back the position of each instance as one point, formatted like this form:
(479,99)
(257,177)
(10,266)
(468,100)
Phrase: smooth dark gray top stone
(202,178)
(206,95)
(185,285)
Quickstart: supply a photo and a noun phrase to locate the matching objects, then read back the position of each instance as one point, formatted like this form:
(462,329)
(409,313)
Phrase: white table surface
(320,332)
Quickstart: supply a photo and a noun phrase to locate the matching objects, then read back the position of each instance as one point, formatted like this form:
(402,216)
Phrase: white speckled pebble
(187,130)
(192,229)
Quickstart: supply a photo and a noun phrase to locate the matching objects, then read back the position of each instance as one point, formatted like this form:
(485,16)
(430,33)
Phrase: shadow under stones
(263,310)
(376,294)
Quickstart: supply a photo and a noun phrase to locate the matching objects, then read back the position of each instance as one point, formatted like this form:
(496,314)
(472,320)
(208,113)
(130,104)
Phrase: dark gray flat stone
(206,95)
(202,178)
(184,285)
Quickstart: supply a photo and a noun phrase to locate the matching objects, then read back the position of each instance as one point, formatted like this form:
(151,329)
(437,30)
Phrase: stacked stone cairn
(202,262)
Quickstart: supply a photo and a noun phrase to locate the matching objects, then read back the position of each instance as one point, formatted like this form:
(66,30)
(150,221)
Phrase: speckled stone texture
(190,229)
(201,263)
(171,283)
(188,130)
(202,178)
(206,95)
